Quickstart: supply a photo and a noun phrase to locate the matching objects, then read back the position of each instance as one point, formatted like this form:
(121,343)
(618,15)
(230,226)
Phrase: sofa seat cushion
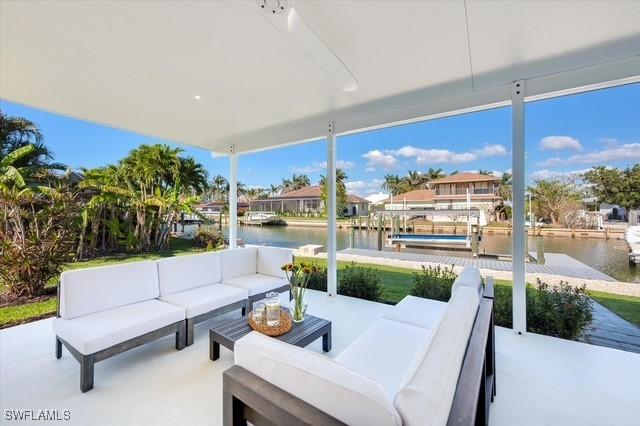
(256,283)
(182,273)
(418,311)
(385,351)
(207,298)
(427,395)
(318,380)
(94,332)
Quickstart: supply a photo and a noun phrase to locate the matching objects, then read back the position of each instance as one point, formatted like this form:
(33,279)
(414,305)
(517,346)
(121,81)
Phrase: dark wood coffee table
(301,334)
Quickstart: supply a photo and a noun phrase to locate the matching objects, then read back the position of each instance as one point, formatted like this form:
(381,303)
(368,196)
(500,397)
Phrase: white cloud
(626,152)
(609,142)
(556,143)
(377,158)
(496,173)
(445,156)
(570,176)
(320,166)
(362,188)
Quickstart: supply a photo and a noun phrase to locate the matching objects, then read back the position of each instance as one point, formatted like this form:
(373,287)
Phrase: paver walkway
(583,271)
(610,330)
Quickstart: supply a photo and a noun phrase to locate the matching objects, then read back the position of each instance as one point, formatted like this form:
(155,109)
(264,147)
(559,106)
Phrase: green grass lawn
(628,307)
(397,283)
(13,315)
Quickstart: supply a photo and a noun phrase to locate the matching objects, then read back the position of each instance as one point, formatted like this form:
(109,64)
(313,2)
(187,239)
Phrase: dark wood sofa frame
(249,398)
(191,322)
(87,362)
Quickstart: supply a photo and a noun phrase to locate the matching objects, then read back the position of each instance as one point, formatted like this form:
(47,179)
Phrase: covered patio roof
(139,65)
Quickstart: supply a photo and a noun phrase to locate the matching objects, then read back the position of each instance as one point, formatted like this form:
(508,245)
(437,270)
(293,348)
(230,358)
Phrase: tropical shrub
(318,281)
(361,282)
(208,238)
(433,282)
(561,311)
(37,236)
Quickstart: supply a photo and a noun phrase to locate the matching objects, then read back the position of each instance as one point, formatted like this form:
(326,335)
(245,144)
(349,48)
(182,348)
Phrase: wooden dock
(573,269)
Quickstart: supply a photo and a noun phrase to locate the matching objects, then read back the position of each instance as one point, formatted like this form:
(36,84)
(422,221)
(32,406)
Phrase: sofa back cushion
(427,396)
(469,277)
(316,379)
(238,262)
(186,272)
(85,291)
(271,259)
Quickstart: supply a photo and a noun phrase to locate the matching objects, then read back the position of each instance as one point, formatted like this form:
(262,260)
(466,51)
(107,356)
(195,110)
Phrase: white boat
(261,218)
(632,237)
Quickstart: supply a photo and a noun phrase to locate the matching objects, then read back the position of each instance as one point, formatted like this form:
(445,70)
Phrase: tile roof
(415,195)
(466,177)
(314,191)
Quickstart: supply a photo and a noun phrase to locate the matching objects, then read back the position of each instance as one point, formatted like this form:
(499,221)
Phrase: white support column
(332,233)
(519,241)
(233,198)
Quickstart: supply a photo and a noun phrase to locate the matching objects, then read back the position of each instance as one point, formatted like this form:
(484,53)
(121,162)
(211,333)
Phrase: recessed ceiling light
(197,97)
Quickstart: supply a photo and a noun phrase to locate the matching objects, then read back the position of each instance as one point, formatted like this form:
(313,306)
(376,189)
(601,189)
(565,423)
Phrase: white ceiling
(137,65)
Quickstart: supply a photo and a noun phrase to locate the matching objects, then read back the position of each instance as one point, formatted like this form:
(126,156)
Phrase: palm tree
(300,181)
(16,133)
(219,186)
(500,211)
(504,187)
(433,174)
(274,190)
(391,183)
(11,175)
(415,179)
(287,186)
(341,190)
(296,182)
(485,172)
(193,176)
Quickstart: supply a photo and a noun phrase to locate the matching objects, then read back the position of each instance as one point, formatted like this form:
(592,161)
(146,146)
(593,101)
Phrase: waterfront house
(308,201)
(458,191)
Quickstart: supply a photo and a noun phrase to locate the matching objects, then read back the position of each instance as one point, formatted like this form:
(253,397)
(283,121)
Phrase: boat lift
(469,241)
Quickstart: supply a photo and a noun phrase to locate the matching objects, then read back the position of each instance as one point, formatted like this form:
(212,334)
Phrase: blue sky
(563,136)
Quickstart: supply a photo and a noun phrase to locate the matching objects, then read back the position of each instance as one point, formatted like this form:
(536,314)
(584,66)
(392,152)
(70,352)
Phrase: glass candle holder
(273,309)
(258,311)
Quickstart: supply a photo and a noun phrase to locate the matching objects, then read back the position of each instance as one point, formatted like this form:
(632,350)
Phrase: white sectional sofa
(108,310)
(404,370)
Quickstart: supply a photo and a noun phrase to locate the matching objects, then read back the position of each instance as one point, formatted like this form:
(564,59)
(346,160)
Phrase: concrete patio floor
(540,380)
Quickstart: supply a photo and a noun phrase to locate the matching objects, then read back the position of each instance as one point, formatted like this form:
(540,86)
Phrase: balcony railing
(463,191)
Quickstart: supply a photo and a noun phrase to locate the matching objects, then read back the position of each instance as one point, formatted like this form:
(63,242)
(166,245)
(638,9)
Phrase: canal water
(607,256)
